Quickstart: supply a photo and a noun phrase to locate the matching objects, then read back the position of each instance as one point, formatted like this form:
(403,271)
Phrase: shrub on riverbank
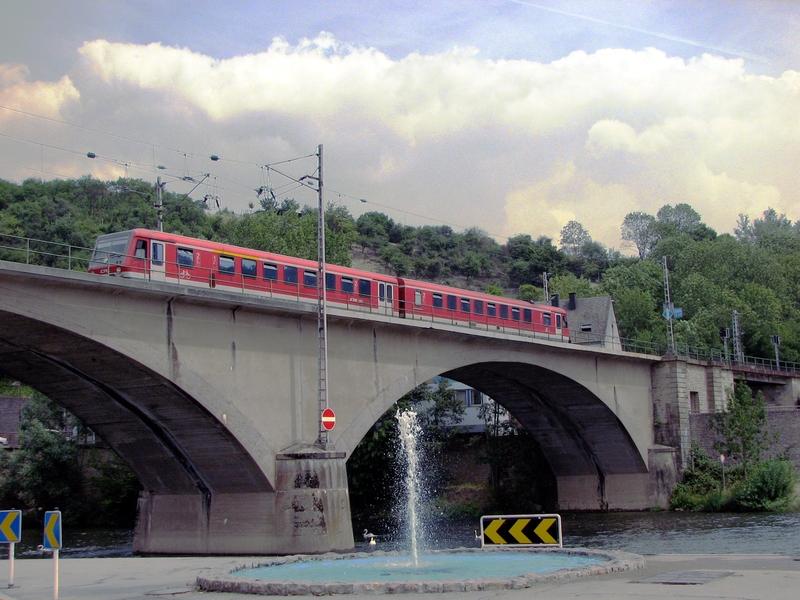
(767,486)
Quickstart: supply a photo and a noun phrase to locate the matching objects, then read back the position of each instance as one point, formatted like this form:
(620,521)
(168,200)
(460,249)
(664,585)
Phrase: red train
(159,256)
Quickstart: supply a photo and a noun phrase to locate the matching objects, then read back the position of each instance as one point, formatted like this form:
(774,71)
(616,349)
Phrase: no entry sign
(328,419)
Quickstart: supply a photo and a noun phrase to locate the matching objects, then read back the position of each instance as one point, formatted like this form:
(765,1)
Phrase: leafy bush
(769,486)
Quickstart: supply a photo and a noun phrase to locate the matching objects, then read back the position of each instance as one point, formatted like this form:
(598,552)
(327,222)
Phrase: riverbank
(665,577)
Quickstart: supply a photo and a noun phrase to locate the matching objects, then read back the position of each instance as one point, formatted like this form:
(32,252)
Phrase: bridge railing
(47,254)
(76,258)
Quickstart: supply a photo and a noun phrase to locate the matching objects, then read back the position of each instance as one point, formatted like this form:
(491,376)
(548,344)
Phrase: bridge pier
(308,513)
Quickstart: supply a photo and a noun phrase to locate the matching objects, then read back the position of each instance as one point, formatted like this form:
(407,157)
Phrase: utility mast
(668,310)
(738,354)
(322,358)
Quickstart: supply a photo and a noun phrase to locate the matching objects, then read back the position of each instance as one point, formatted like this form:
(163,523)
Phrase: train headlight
(119,269)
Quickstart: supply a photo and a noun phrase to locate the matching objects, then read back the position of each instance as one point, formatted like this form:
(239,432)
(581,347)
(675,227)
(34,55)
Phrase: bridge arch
(173,444)
(582,425)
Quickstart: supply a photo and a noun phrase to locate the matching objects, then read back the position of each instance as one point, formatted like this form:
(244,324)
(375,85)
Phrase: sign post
(10,533)
(521,530)
(52,541)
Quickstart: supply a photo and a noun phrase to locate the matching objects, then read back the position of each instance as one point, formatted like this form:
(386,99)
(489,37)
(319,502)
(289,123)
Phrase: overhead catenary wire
(154,168)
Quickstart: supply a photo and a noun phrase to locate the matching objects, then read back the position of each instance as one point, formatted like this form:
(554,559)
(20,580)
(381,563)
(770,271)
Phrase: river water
(638,532)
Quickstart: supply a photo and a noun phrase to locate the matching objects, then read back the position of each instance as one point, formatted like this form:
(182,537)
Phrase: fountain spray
(410,430)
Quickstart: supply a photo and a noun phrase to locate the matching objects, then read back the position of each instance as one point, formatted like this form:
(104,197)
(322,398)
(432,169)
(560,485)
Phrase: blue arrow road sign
(52,530)
(10,526)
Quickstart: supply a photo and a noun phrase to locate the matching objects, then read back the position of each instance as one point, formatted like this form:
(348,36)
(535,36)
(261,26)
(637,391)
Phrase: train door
(157,262)
(385,298)
(559,324)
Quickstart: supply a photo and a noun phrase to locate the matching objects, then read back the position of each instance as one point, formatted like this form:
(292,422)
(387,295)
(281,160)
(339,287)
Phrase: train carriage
(159,256)
(432,302)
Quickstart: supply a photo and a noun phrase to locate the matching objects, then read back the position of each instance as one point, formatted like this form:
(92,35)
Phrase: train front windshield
(110,249)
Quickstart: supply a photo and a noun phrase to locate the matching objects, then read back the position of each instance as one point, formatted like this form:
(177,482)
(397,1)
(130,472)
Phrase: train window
(527,316)
(158,253)
(438,301)
(141,249)
(347,285)
(478,307)
(491,309)
(465,305)
(227,264)
(417,297)
(310,278)
(503,311)
(248,267)
(290,274)
(451,302)
(515,313)
(186,257)
(558,321)
(382,292)
(271,271)
(364,287)
(547,319)
(330,281)
(389,293)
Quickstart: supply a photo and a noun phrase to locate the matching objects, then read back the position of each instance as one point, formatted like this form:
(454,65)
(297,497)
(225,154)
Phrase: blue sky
(513,116)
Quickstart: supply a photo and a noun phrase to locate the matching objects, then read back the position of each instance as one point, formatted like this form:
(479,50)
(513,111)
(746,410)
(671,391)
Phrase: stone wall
(785,421)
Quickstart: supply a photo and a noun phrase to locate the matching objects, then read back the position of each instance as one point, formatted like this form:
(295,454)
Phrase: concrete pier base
(308,513)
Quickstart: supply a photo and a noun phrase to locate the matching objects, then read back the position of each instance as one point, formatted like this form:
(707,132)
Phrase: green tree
(46,471)
(639,231)
(743,427)
(573,237)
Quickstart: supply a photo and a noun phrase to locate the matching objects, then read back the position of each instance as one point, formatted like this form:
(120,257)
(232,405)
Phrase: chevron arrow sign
(521,530)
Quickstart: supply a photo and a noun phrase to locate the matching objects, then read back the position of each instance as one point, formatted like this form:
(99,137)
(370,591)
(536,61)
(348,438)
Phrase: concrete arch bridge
(211,398)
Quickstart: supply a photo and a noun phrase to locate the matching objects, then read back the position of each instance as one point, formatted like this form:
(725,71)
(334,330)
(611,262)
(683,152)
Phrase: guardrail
(76,258)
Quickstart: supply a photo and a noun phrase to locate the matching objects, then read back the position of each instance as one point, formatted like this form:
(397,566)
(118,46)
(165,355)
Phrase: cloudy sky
(512,116)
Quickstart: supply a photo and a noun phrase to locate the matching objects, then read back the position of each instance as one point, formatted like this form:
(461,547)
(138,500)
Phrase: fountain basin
(393,572)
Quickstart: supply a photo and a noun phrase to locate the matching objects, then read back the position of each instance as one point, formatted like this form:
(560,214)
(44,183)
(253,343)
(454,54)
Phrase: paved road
(748,577)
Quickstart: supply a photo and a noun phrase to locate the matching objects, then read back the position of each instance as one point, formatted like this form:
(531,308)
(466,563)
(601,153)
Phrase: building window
(694,401)
(586,327)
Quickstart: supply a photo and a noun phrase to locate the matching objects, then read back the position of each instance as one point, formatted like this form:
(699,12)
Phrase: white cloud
(39,97)
(514,146)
